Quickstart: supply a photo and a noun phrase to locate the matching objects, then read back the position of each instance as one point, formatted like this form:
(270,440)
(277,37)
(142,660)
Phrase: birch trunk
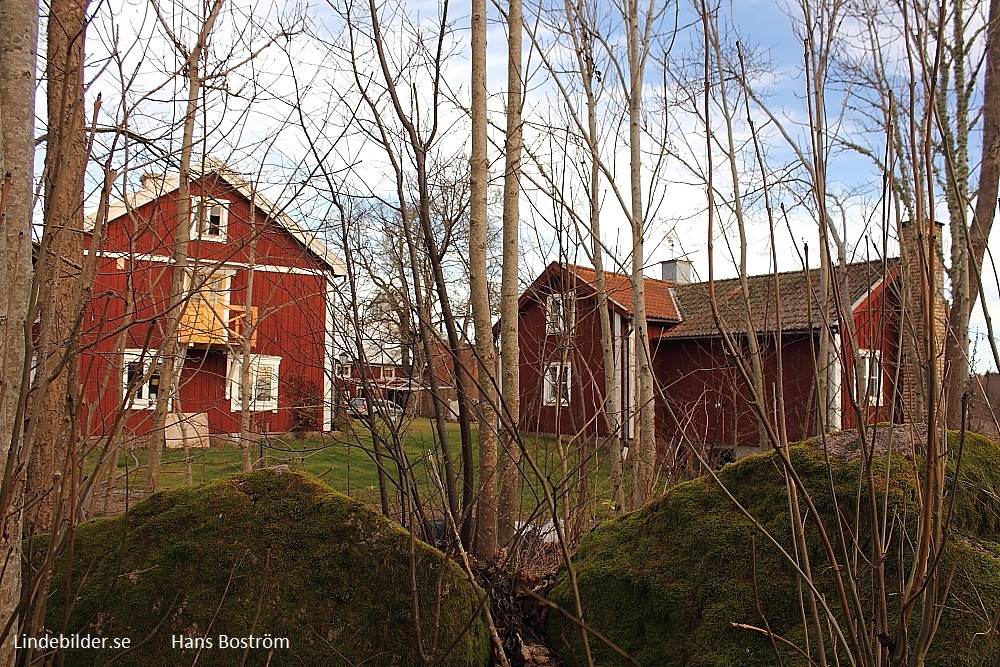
(510,353)
(18,41)
(644,460)
(486,508)
(969,243)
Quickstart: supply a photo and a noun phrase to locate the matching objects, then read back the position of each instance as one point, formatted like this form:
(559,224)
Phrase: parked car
(380,408)
(387,408)
(358,407)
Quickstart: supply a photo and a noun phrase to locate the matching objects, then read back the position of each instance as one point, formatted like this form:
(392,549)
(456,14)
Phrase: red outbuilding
(257,286)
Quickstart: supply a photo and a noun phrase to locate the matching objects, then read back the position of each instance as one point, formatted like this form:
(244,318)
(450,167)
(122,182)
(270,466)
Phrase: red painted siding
(708,403)
(876,327)
(582,349)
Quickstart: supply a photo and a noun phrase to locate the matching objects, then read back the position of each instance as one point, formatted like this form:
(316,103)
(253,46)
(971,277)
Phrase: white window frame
(868,385)
(209,202)
(551,384)
(198,278)
(560,309)
(141,396)
(257,361)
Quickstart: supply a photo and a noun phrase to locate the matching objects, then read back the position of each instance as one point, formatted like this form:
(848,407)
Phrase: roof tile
(660,303)
(799,299)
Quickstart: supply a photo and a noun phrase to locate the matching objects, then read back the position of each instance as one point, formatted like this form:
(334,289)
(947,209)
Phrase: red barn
(702,398)
(257,284)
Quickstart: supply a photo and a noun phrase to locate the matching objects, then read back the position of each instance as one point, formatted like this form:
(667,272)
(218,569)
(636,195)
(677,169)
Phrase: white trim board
(263,268)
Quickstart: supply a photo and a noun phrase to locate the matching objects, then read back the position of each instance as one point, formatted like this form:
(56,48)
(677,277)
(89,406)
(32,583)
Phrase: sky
(297,77)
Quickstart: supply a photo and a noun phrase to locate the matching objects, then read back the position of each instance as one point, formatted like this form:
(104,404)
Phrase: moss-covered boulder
(271,567)
(667,582)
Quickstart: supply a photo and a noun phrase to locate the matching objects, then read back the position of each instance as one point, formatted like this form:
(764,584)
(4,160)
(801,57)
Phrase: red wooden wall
(582,350)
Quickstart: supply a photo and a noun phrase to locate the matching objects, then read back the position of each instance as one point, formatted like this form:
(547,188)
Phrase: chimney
(152,181)
(915,242)
(676,271)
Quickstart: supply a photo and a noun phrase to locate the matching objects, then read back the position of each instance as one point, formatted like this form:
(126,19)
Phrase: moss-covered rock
(269,552)
(667,582)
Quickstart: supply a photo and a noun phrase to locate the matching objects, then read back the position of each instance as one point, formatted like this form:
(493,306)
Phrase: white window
(869,377)
(210,289)
(557,384)
(140,380)
(263,383)
(559,313)
(209,218)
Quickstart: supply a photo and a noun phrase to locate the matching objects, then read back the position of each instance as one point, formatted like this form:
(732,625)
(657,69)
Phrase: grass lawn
(346,462)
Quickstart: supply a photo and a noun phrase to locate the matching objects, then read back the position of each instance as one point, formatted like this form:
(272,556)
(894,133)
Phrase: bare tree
(509,348)
(488,500)
(969,242)
(18,40)
(59,267)
(171,357)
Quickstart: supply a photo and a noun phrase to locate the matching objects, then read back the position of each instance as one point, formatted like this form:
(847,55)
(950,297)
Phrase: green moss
(264,552)
(666,582)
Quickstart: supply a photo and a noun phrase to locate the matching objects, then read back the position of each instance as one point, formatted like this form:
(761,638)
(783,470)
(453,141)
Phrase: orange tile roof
(660,303)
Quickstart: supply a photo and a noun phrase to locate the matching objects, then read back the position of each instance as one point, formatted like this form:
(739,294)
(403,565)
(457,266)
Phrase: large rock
(667,582)
(269,554)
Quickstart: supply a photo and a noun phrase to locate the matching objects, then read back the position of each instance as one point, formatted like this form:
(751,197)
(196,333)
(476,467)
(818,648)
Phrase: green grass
(346,462)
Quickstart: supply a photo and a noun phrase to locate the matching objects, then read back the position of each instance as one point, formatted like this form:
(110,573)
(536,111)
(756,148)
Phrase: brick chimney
(919,289)
(676,271)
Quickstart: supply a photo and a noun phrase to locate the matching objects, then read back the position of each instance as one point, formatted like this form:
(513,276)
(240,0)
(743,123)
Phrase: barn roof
(168,184)
(799,298)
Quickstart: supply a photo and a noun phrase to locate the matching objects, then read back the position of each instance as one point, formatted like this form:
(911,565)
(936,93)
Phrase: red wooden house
(257,287)
(701,396)
(706,400)
(561,369)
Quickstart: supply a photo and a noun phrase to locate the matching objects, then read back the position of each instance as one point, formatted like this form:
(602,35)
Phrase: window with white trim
(559,312)
(868,377)
(140,380)
(209,218)
(557,384)
(212,287)
(263,383)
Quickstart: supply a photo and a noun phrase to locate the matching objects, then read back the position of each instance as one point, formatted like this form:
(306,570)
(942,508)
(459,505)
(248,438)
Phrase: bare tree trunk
(644,460)
(18,41)
(59,265)
(249,325)
(969,250)
(510,353)
(486,507)
(583,37)
(171,357)
(753,344)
